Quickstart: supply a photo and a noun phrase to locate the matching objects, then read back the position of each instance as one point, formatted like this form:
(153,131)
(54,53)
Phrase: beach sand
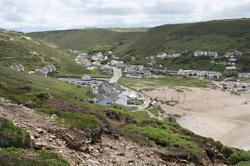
(211,113)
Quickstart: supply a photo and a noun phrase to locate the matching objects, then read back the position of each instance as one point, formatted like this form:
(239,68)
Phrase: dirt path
(48,134)
(117,74)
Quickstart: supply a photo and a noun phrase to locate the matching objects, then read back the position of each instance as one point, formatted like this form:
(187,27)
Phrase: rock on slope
(74,145)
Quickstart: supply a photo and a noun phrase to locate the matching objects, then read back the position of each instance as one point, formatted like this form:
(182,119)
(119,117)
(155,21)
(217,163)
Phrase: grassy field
(169,81)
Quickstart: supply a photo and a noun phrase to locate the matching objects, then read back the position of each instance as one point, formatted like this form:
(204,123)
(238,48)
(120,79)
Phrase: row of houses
(215,54)
(137,71)
(197,73)
(244,75)
(233,54)
(212,54)
(163,55)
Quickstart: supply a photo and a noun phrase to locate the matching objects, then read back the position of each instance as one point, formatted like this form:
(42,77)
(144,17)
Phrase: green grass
(121,111)
(128,29)
(243,163)
(13,136)
(50,96)
(241,156)
(169,81)
(16,148)
(156,110)
(74,119)
(21,157)
(220,35)
(17,51)
(87,38)
(164,136)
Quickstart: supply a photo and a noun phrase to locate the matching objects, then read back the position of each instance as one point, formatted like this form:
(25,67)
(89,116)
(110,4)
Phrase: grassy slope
(69,103)
(49,96)
(15,49)
(224,35)
(213,35)
(86,39)
(16,148)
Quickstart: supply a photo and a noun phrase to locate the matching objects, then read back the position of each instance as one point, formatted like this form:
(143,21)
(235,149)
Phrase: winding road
(117,74)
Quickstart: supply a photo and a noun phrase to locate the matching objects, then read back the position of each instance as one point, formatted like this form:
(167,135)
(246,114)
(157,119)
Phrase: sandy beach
(211,113)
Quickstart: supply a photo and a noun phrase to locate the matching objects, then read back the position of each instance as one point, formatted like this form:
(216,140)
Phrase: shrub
(238,157)
(13,136)
(21,157)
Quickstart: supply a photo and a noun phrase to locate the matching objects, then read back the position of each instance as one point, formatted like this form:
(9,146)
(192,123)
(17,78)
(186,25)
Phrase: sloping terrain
(60,118)
(113,129)
(88,38)
(221,35)
(16,48)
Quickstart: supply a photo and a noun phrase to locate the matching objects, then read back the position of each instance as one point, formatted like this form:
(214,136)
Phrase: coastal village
(109,92)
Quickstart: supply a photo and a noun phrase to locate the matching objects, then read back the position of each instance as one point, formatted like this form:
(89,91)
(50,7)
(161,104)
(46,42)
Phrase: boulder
(91,162)
(17,67)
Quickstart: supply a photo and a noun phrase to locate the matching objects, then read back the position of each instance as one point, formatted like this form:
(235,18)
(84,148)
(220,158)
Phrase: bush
(13,136)
(21,157)
(74,119)
(238,157)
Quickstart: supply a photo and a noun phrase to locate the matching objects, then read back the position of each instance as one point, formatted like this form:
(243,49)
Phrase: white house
(232,61)
(161,55)
(116,63)
(211,54)
(244,75)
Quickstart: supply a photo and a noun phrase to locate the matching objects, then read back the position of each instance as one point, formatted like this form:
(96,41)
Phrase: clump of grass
(156,110)
(13,136)
(241,156)
(163,137)
(74,119)
(128,113)
(12,156)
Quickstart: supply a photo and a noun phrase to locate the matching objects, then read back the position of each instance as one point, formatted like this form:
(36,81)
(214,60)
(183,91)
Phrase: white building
(211,54)
(116,63)
(161,55)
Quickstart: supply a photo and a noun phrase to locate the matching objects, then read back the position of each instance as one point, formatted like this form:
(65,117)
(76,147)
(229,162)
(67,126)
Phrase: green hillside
(15,48)
(220,35)
(88,38)
(69,103)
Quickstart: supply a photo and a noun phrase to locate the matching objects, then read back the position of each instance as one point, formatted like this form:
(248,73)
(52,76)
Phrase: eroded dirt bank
(74,145)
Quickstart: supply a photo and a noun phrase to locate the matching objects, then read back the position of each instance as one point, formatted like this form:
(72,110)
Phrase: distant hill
(220,35)
(89,38)
(16,48)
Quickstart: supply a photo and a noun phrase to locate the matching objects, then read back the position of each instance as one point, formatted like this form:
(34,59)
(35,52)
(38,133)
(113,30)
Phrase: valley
(167,95)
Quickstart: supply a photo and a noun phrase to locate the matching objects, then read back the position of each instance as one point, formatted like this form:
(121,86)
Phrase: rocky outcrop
(17,67)
(45,70)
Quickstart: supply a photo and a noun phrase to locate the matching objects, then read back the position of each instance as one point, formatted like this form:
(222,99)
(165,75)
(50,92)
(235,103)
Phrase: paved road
(117,74)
